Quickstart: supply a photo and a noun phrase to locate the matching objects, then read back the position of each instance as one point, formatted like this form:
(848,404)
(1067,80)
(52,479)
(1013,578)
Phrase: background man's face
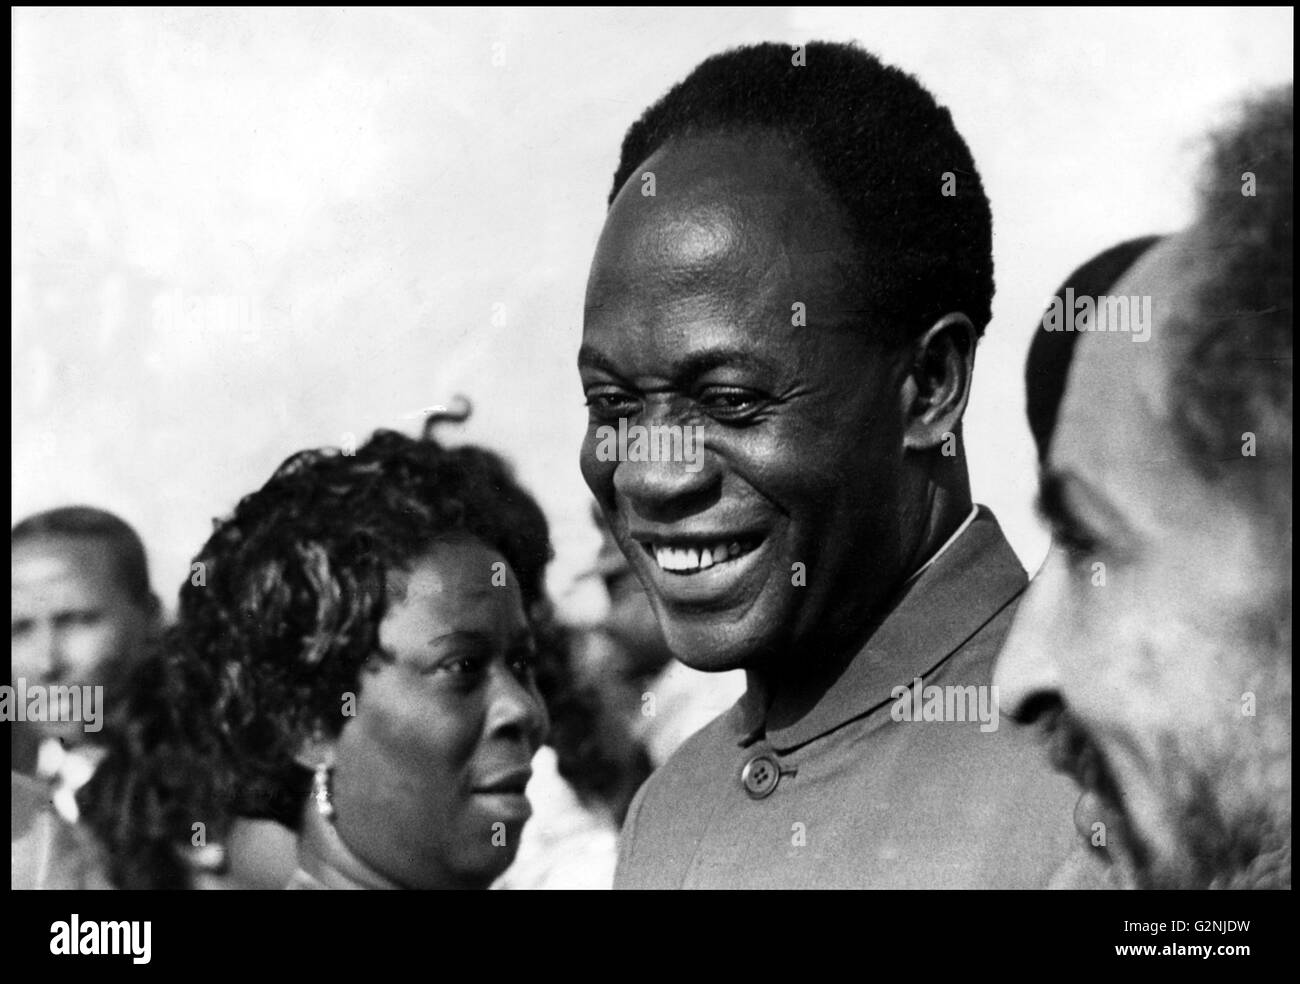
(71,619)
(1158,653)
(800,500)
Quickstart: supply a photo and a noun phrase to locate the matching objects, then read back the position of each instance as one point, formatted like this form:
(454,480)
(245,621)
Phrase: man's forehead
(48,558)
(1116,422)
(724,205)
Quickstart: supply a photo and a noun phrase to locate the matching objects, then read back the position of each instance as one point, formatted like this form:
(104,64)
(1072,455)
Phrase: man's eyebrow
(688,366)
(1057,492)
(523,637)
(590,358)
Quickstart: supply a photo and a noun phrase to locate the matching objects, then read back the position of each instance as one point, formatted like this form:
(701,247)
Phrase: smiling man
(1155,644)
(797,264)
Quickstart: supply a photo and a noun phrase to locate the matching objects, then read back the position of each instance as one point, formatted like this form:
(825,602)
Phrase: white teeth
(691,559)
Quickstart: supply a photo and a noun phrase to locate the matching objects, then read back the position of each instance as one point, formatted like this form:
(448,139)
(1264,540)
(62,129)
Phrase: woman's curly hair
(280,614)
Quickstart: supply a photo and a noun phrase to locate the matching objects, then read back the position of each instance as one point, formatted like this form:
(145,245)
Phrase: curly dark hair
(1237,376)
(879,141)
(276,622)
(159,777)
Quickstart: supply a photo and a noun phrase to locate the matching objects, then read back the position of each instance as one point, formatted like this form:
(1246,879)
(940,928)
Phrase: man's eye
(524,664)
(85,618)
(1077,545)
(17,629)
(610,404)
(730,403)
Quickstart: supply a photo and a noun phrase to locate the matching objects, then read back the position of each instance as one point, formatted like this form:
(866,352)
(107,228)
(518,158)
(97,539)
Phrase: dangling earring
(320,791)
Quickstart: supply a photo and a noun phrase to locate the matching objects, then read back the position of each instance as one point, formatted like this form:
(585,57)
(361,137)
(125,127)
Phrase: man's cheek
(599,475)
(90,653)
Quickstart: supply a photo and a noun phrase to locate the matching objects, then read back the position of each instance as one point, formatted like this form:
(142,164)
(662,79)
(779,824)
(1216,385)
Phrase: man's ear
(938,384)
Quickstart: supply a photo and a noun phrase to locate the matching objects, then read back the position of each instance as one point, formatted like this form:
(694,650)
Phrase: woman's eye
(462,666)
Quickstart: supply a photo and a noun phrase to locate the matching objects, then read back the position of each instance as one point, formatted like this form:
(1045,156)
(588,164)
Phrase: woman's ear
(316,751)
(938,385)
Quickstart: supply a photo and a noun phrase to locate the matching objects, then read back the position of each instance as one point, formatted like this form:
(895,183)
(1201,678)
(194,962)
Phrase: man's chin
(69,733)
(708,645)
(1196,847)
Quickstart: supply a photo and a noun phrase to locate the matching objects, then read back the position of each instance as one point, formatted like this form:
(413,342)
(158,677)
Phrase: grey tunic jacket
(845,785)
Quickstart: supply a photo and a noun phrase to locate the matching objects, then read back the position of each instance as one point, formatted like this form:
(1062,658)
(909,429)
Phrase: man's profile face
(692,320)
(1159,621)
(71,617)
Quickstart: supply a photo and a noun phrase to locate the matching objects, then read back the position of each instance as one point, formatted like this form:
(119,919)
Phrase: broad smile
(687,556)
(710,569)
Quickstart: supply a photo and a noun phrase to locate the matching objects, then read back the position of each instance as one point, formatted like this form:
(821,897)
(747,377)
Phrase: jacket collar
(934,615)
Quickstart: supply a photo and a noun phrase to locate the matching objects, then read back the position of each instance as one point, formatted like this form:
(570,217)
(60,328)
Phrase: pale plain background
(237,233)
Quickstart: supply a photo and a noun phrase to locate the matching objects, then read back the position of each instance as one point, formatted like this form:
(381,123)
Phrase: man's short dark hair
(881,144)
(1237,376)
(88,523)
(1050,353)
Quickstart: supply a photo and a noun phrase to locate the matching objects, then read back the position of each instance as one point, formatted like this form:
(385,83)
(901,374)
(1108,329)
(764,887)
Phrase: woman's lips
(502,796)
(512,782)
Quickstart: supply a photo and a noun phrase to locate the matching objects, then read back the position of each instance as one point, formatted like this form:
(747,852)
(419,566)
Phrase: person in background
(82,612)
(45,851)
(1154,646)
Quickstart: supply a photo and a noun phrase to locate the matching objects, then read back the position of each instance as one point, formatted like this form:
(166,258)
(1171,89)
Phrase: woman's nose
(515,707)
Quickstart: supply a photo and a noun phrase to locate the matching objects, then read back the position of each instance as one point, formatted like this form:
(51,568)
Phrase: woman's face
(429,775)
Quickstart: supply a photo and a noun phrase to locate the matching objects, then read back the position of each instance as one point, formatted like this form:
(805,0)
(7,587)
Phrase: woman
(362,624)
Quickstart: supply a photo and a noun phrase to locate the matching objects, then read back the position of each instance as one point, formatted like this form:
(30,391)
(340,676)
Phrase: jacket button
(760,776)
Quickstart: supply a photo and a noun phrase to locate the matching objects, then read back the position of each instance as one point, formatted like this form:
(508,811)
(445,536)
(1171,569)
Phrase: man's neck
(947,508)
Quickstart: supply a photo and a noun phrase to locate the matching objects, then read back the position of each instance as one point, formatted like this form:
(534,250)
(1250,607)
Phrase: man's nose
(51,657)
(1026,672)
(677,477)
